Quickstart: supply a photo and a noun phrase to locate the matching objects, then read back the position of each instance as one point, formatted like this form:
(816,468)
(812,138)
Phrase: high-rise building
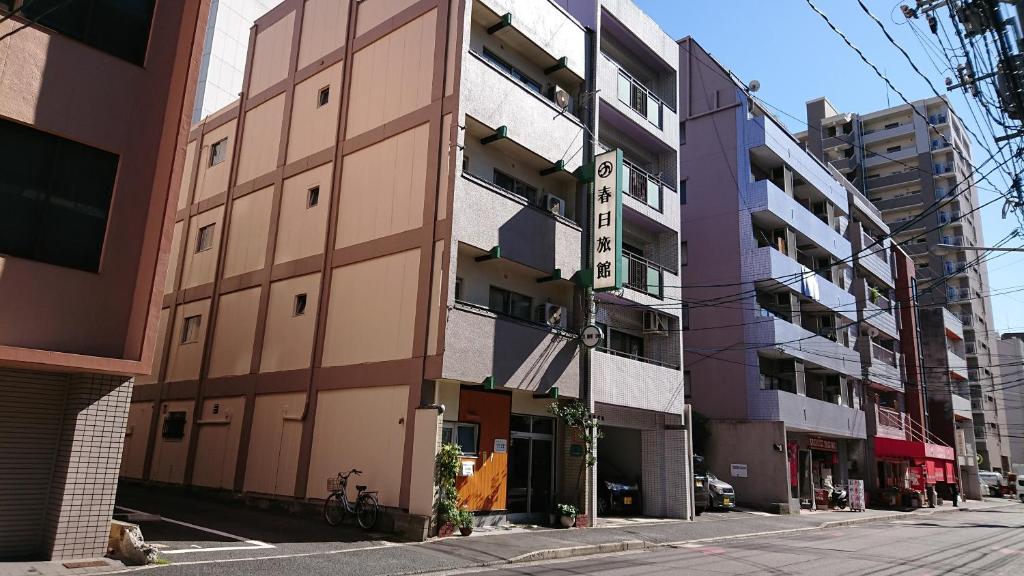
(92,121)
(394,218)
(1011,361)
(914,163)
(224,53)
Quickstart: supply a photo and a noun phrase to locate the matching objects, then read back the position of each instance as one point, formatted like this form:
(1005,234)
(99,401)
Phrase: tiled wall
(87,463)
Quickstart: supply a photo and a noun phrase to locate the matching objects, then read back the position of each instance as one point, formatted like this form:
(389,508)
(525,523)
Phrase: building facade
(224,53)
(393,219)
(773,352)
(93,116)
(914,164)
(1011,361)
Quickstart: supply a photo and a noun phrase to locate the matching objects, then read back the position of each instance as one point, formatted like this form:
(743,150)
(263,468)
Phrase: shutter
(31,411)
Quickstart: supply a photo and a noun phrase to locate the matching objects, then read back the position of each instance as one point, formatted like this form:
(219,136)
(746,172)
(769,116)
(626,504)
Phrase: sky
(796,57)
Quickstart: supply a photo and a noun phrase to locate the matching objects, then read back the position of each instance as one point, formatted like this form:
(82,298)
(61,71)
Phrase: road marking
(252,544)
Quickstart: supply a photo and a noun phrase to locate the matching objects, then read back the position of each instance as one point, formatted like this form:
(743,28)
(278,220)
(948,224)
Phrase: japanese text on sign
(607,225)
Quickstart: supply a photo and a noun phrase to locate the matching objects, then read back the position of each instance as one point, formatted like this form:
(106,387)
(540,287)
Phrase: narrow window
(190,329)
(300,305)
(684,316)
(684,254)
(323,97)
(218,151)
(204,239)
(313,197)
(682,133)
(682,191)
(174,426)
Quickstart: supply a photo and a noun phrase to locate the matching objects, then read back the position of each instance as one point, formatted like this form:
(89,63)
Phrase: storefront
(817,464)
(912,473)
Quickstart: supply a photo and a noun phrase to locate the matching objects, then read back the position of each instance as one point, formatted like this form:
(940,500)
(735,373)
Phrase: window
(300,305)
(117,27)
(465,434)
(626,343)
(684,256)
(218,151)
(894,148)
(204,238)
(506,302)
(190,329)
(465,163)
(923,265)
(682,191)
(512,71)
(684,316)
(515,185)
(174,426)
(54,197)
(682,133)
(323,97)
(458,288)
(313,197)
(891,125)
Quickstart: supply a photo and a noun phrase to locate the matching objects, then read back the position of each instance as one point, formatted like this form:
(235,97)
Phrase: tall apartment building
(93,115)
(1011,360)
(918,173)
(392,219)
(224,52)
(773,353)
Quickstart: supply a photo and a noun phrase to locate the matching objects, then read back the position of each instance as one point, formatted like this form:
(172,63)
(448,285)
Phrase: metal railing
(879,352)
(637,357)
(642,185)
(643,275)
(889,417)
(638,97)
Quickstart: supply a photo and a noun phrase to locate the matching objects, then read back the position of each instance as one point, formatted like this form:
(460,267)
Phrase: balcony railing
(642,185)
(967,320)
(638,97)
(889,417)
(956,295)
(880,301)
(637,357)
(953,240)
(883,354)
(874,247)
(971,347)
(943,168)
(937,119)
(643,275)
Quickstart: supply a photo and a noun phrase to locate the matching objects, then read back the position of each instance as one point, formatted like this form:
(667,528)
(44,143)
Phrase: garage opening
(619,472)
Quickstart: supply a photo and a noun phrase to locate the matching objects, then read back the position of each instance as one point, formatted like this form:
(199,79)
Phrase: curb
(575,551)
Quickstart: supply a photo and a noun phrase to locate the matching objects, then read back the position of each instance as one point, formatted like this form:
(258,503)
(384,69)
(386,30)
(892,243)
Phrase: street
(984,542)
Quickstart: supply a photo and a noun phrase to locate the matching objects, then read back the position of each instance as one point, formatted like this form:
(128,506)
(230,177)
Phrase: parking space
(185,526)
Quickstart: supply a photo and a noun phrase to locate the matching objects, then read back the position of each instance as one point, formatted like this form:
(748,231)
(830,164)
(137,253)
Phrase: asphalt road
(988,542)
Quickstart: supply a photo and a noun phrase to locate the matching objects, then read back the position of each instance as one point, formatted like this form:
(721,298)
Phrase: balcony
(897,179)
(767,201)
(784,271)
(526,233)
(643,275)
(631,99)
(495,99)
(519,355)
(815,416)
(961,407)
(794,341)
(642,186)
(541,29)
(957,365)
(879,315)
(953,325)
(880,134)
(882,372)
(873,159)
(872,255)
(656,386)
(883,354)
(890,423)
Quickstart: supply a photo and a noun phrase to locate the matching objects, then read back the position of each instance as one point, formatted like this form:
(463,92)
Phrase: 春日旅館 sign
(607,222)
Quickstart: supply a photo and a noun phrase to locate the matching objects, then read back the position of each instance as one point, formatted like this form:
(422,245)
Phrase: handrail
(637,357)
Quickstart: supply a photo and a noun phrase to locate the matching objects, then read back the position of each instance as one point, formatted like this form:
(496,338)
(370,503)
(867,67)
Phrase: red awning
(894,448)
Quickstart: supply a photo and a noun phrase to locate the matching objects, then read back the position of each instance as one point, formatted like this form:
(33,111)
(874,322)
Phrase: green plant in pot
(874,294)
(465,521)
(584,425)
(566,514)
(446,470)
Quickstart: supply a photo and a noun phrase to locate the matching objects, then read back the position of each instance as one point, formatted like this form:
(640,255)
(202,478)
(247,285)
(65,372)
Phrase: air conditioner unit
(553,204)
(655,323)
(552,315)
(559,96)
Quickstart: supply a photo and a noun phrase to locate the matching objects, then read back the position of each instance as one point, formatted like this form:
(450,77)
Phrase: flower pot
(567,521)
(445,530)
(465,530)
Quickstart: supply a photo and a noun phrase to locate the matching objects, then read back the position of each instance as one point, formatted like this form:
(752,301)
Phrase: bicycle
(337,505)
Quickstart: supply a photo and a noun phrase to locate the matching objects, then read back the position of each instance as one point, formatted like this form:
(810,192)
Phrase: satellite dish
(754,86)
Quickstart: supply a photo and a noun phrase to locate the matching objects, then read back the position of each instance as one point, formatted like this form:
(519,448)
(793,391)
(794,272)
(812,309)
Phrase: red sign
(822,444)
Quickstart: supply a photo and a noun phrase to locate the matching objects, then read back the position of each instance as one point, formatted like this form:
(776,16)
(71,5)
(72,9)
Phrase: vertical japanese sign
(607,224)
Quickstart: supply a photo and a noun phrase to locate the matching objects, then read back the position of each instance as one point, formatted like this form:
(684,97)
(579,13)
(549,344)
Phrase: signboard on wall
(607,223)
(738,470)
(822,444)
(500,445)
(467,468)
(856,494)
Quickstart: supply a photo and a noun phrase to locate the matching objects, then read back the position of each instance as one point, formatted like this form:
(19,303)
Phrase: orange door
(485,490)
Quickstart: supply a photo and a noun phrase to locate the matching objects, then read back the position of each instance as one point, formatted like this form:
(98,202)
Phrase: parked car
(701,495)
(618,498)
(992,482)
(721,492)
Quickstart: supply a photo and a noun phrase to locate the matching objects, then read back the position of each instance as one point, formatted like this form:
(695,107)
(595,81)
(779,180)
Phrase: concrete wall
(751,443)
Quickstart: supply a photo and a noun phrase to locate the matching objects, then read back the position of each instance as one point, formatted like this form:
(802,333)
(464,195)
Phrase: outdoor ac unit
(559,96)
(552,315)
(553,204)
(655,323)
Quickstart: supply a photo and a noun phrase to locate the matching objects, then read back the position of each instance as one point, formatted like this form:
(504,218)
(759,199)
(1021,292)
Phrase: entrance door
(530,466)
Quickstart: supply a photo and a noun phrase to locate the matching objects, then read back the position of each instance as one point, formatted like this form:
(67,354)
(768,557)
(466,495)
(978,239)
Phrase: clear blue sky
(796,57)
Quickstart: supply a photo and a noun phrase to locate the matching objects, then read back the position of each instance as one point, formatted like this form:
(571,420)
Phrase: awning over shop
(894,448)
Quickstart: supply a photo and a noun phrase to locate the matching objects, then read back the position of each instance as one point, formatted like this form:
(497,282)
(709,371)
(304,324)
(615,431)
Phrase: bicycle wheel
(366,511)
(334,509)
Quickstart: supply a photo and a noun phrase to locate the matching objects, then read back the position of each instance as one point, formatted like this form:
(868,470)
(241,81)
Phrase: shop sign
(500,445)
(738,470)
(855,488)
(467,468)
(607,224)
(822,444)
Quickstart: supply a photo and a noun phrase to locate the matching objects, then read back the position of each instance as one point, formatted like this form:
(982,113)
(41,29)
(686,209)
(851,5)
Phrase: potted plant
(465,521)
(874,294)
(446,469)
(566,514)
(584,425)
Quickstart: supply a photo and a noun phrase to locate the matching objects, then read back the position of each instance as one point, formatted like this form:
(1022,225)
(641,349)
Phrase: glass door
(530,466)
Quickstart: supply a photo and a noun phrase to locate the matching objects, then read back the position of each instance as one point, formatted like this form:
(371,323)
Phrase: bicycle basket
(333,484)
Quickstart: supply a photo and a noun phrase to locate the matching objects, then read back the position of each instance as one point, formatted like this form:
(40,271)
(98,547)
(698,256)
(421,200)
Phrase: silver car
(721,493)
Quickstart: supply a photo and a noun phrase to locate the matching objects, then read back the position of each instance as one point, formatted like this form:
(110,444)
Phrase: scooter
(838,498)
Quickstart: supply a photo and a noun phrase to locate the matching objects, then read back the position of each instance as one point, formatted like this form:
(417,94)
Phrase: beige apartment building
(93,117)
(389,220)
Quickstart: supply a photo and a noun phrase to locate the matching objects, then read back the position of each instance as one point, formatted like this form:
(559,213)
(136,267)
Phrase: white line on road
(252,544)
